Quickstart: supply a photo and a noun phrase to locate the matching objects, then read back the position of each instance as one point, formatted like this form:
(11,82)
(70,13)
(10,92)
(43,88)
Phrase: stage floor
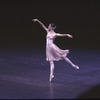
(24,74)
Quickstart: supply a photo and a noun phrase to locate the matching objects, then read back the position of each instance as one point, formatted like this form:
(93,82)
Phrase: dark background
(81,18)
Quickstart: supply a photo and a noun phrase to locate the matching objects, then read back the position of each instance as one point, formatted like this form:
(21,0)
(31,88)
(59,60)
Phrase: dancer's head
(51,26)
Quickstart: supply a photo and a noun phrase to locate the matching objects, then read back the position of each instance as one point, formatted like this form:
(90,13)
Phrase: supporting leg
(68,61)
(51,70)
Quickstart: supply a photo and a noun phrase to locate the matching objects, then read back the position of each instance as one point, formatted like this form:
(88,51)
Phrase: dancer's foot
(76,67)
(51,76)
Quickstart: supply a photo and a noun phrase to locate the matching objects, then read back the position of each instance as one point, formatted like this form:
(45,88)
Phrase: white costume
(53,53)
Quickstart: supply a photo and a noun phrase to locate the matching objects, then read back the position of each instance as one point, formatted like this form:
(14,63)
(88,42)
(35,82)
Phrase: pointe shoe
(76,67)
(51,76)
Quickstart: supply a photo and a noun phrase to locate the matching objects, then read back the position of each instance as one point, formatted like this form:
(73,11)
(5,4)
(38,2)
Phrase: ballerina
(54,53)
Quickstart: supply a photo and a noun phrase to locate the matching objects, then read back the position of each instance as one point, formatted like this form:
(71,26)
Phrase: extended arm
(40,24)
(70,36)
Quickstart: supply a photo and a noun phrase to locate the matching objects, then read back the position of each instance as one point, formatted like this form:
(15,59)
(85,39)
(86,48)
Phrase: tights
(52,66)
(68,61)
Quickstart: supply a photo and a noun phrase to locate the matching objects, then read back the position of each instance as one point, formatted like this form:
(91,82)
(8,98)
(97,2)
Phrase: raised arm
(70,36)
(40,24)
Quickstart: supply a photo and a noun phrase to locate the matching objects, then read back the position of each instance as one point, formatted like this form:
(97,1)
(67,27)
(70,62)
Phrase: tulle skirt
(54,53)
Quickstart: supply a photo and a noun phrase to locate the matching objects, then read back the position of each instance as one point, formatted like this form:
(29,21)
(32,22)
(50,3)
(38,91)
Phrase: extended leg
(51,70)
(68,61)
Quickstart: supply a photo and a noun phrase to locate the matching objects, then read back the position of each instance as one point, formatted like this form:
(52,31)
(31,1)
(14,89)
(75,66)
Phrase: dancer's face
(50,27)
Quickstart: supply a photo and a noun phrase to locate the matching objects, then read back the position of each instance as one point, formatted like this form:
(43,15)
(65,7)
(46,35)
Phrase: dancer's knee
(51,62)
(64,58)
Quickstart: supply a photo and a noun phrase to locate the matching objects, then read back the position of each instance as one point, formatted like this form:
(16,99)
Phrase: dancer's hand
(34,20)
(70,36)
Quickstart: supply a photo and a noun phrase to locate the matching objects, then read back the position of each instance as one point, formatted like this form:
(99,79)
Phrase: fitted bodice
(50,38)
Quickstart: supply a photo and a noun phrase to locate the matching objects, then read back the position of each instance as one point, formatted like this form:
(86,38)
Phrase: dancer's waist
(49,42)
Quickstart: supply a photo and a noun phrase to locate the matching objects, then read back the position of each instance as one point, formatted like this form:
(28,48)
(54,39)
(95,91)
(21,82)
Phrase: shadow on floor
(92,93)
